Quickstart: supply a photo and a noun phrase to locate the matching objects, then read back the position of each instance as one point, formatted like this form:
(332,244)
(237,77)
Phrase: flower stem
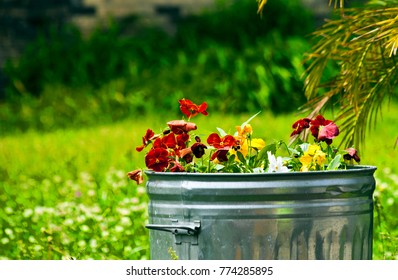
(208,166)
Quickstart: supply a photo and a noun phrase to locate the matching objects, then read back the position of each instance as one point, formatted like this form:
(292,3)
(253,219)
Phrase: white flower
(276,164)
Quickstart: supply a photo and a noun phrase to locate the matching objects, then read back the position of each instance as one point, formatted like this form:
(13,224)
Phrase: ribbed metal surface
(302,215)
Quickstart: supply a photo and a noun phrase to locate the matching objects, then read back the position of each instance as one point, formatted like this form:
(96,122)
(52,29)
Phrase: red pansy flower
(149,135)
(222,144)
(190,109)
(169,141)
(300,125)
(198,149)
(324,130)
(136,176)
(181,140)
(220,154)
(217,142)
(181,126)
(176,167)
(157,159)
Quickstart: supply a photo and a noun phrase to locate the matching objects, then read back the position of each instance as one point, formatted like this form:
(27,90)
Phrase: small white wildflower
(98,218)
(85,228)
(69,183)
(91,193)
(68,222)
(81,243)
(383,186)
(388,254)
(50,210)
(387,170)
(125,221)
(85,176)
(127,232)
(93,243)
(32,239)
(394,177)
(127,249)
(38,248)
(27,213)
(96,209)
(57,179)
(276,164)
(39,210)
(119,228)
(123,211)
(9,231)
(141,190)
(81,219)
(5,240)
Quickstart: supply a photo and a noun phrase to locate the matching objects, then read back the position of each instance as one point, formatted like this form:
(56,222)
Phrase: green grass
(65,194)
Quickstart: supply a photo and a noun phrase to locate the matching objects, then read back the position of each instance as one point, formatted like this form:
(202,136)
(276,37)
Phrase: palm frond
(337,3)
(363,43)
(261,4)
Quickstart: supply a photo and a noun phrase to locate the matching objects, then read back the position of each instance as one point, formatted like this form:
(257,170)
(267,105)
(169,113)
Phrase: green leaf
(218,167)
(249,120)
(222,132)
(269,148)
(294,151)
(231,159)
(335,163)
(241,157)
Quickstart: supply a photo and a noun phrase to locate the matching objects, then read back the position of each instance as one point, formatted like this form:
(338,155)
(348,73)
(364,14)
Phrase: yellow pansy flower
(306,161)
(313,148)
(256,143)
(320,158)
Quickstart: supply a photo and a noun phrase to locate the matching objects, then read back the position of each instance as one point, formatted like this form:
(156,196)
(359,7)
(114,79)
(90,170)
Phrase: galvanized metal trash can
(301,215)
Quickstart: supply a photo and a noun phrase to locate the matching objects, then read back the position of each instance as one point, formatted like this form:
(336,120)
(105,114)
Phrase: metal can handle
(183,228)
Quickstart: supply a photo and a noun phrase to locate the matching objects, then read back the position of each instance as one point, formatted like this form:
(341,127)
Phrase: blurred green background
(231,57)
(74,107)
